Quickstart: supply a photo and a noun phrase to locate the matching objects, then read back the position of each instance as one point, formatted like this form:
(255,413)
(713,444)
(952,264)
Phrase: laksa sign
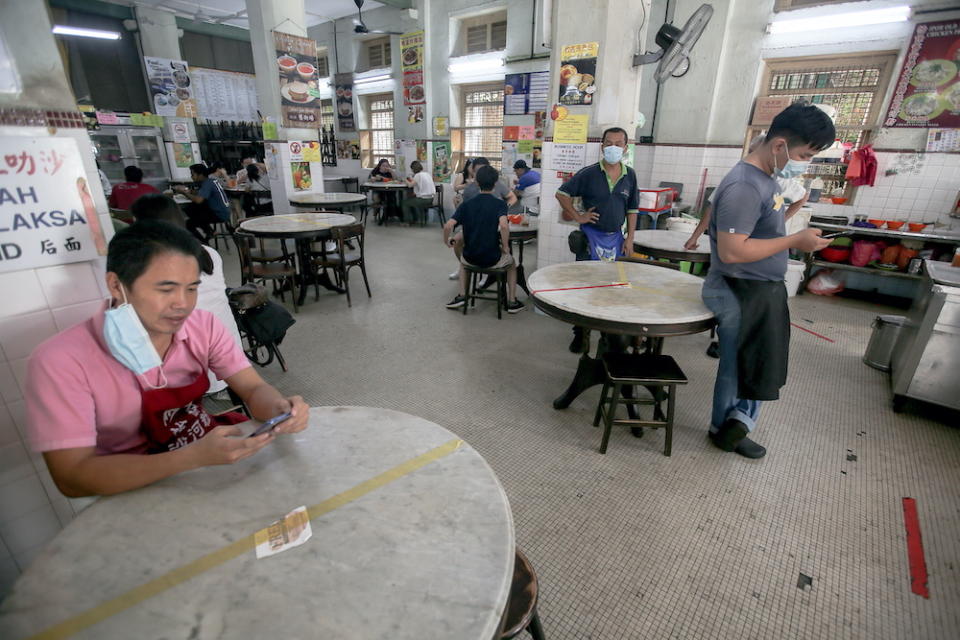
(47,215)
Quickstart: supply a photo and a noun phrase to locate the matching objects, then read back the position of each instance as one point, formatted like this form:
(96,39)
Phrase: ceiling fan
(359,27)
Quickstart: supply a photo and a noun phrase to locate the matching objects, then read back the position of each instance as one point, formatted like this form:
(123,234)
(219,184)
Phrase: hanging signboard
(225,95)
(171,87)
(343,83)
(927,93)
(578,71)
(411,59)
(766,108)
(297,66)
(47,215)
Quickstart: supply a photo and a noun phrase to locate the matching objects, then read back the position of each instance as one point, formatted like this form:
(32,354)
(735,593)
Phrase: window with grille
(326,113)
(378,53)
(378,141)
(323,66)
(482,131)
(484,33)
(854,85)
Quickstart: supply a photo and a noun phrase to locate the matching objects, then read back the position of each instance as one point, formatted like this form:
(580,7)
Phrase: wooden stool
(659,373)
(500,273)
(521,614)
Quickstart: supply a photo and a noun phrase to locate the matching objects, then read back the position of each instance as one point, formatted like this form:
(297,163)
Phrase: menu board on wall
(927,93)
(343,85)
(47,215)
(171,87)
(225,95)
(525,93)
(411,58)
(297,66)
(578,71)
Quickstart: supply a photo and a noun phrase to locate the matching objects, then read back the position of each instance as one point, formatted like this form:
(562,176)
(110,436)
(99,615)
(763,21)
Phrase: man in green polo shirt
(610,195)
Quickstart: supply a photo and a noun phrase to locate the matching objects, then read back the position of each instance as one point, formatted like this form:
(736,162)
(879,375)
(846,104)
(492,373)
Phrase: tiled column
(614,24)
(287,16)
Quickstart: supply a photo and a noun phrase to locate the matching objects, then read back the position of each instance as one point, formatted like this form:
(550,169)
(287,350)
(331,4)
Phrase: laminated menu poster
(411,59)
(578,71)
(47,215)
(525,93)
(225,95)
(297,66)
(171,87)
(343,83)
(927,93)
(442,156)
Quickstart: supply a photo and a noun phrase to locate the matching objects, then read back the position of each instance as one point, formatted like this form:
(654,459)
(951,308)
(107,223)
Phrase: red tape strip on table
(592,286)
(918,566)
(810,332)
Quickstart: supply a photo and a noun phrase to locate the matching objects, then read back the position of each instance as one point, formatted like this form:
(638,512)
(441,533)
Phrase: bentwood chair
(344,258)
(282,273)
(521,613)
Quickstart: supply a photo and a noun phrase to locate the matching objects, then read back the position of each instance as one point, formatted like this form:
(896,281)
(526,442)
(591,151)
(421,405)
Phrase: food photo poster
(299,94)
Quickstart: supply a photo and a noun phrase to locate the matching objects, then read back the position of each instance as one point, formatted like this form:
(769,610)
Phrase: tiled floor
(634,544)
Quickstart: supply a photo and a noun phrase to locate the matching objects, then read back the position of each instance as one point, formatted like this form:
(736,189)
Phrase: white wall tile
(15,463)
(20,374)
(19,335)
(9,572)
(22,293)
(66,317)
(19,498)
(68,284)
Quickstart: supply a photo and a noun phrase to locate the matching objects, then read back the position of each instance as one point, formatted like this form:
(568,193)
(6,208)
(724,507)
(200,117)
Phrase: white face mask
(129,342)
(612,154)
(792,168)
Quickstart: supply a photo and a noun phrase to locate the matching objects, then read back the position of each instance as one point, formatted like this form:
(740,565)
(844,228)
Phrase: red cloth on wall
(863,167)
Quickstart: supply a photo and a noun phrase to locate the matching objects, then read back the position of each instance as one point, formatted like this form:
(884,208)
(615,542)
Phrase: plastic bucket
(795,270)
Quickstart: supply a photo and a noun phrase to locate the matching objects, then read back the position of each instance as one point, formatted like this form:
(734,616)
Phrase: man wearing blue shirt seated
(208,206)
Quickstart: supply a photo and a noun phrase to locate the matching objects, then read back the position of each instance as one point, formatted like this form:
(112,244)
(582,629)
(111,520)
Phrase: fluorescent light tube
(382,76)
(852,19)
(63,30)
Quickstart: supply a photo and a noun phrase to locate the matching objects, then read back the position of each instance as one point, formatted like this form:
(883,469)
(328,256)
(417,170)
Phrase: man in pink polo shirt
(129,381)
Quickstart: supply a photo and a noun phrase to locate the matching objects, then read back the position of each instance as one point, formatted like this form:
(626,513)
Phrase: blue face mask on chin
(612,154)
(792,168)
(128,340)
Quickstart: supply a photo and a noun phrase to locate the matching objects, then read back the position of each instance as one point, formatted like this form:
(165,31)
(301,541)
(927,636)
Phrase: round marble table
(392,191)
(656,302)
(327,200)
(669,245)
(303,228)
(400,549)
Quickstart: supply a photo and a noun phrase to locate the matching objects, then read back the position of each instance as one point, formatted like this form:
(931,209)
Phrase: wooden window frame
(885,61)
(327,116)
(368,155)
(386,52)
(459,134)
(487,21)
(323,65)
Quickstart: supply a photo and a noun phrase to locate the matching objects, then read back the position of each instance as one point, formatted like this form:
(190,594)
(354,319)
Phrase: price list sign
(525,93)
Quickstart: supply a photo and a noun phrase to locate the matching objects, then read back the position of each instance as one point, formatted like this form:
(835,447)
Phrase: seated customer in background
(423,192)
(484,238)
(125,193)
(130,380)
(211,294)
(245,164)
(261,204)
(383,172)
(208,206)
(500,190)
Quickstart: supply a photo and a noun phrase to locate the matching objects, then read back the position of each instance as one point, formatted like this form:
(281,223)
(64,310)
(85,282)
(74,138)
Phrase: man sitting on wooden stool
(485,238)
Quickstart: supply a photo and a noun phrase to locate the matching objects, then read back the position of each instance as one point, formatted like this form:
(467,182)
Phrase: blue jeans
(726,405)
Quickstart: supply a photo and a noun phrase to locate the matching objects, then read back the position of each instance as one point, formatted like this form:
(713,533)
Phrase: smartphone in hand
(270,424)
(838,234)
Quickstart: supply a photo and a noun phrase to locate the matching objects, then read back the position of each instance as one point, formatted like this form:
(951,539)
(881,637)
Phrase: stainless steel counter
(926,359)
(953,238)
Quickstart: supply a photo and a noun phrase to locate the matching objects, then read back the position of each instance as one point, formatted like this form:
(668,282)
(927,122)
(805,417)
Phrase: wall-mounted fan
(359,27)
(675,45)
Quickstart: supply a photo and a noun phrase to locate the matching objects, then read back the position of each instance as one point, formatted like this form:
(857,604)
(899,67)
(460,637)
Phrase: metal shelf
(889,233)
(868,270)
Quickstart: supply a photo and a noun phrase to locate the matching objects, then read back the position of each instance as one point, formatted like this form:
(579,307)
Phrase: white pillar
(615,25)
(287,16)
(159,34)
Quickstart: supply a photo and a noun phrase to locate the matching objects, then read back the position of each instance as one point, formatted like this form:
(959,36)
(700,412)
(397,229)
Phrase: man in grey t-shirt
(748,251)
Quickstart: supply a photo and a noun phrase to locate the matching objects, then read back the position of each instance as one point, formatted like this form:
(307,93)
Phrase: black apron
(764,342)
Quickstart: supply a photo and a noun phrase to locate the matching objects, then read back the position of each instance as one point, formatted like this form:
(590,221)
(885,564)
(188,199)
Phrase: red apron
(174,417)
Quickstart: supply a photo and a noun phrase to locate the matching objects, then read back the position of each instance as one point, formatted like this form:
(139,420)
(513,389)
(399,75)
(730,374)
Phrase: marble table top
(295,223)
(387,185)
(669,241)
(327,198)
(521,230)
(422,554)
(181,199)
(332,178)
(656,301)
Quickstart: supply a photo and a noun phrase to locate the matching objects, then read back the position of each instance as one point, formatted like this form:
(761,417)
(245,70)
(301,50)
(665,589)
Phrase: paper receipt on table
(292,531)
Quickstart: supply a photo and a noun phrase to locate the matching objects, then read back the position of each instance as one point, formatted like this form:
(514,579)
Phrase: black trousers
(200,217)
